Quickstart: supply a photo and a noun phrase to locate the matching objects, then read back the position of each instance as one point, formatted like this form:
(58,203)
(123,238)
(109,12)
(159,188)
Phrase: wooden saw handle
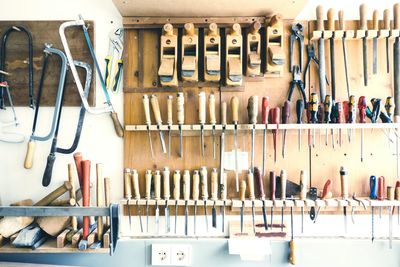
(119,130)
(28,163)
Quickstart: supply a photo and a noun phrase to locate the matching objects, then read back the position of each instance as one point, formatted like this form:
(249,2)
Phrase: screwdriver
(250,182)
(186,196)
(176,193)
(195,195)
(373,186)
(264,116)
(167,195)
(345,193)
(128,193)
(345,105)
(275,119)
(283,192)
(157,116)
(320,120)
(303,195)
(213,120)
(362,106)
(252,111)
(381,192)
(352,113)
(299,114)
(148,177)
(169,122)
(223,191)
(313,109)
(157,197)
(180,116)
(339,119)
(261,195)
(146,106)
(285,120)
(135,183)
(235,120)
(334,118)
(204,191)
(242,193)
(202,118)
(222,154)
(272,188)
(214,196)
(327,114)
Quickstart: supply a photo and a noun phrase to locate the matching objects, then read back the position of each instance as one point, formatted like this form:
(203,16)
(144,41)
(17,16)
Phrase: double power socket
(171,254)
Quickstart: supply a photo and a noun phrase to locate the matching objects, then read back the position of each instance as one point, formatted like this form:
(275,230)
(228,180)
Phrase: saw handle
(119,130)
(29,154)
(265,110)
(331,19)
(211,108)
(320,18)
(272,184)
(363,17)
(195,185)
(186,185)
(51,158)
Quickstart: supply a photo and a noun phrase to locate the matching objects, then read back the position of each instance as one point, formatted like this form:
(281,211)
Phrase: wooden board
(17,55)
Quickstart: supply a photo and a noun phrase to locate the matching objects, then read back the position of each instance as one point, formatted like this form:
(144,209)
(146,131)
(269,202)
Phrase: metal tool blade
(272,217)
(253,217)
(283,143)
(365,61)
(264,211)
(194,216)
(264,148)
(180,141)
(333,76)
(164,150)
(214,216)
(167,217)
(252,148)
(176,216)
(387,55)
(375,55)
(302,220)
(205,214)
(241,217)
(129,214)
(282,219)
(186,217)
(213,138)
(321,57)
(169,141)
(390,226)
(345,219)
(147,216)
(345,66)
(202,140)
(299,139)
(140,216)
(150,142)
(223,217)
(221,170)
(236,159)
(157,218)
(372,224)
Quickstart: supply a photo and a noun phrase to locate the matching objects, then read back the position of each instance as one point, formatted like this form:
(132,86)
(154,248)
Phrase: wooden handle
(135,183)
(85,195)
(211,108)
(213,29)
(326,192)
(341,21)
(195,185)
(390,192)
(156,109)
(202,107)
(119,130)
(72,194)
(100,198)
(292,255)
(331,19)
(180,108)
(236,30)
(223,113)
(29,154)
(177,185)
(224,186)
(166,183)
(146,106)
(78,165)
(214,184)
(168,29)
(396,16)
(242,190)
(386,19)
(189,28)
(303,185)
(255,27)
(157,185)
(283,184)
(397,191)
(147,178)
(320,18)
(258,177)
(204,183)
(186,185)
(250,182)
(169,110)
(66,186)
(363,17)
(107,197)
(272,184)
(275,21)
(265,109)
(381,188)
(344,183)
(127,183)
(375,20)
(235,109)
(252,109)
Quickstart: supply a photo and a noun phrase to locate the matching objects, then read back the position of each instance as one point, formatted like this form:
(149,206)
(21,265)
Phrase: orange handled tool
(86,194)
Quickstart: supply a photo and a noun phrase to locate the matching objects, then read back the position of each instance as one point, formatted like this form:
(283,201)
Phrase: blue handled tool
(373,185)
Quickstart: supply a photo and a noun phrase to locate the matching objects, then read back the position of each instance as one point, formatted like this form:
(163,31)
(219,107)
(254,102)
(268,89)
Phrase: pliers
(296,81)
(114,60)
(311,56)
(296,35)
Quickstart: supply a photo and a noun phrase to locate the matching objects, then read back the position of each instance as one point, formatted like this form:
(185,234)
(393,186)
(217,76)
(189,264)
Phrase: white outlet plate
(181,255)
(160,255)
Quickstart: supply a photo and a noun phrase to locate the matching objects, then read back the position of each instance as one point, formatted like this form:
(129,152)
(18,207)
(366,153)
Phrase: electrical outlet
(181,255)
(160,255)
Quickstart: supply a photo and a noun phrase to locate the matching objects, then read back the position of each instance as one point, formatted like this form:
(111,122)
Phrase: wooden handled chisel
(186,197)
(157,197)
(195,195)
(136,191)
(204,191)
(252,111)
(235,120)
(167,195)
(148,176)
(157,116)
(176,194)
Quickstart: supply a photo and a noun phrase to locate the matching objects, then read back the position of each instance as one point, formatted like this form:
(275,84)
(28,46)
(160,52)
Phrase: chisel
(214,196)
(169,122)
(331,27)
(195,195)
(275,116)
(364,27)
(127,193)
(167,195)
(204,191)
(344,183)
(202,118)
(396,62)
(157,197)
(386,26)
(299,114)
(180,117)
(259,178)
(186,197)
(213,120)
(303,194)
(283,193)
(100,198)
(285,120)
(252,112)
(264,116)
(321,52)
(157,116)
(373,187)
(176,194)
(242,196)
(250,182)
(235,120)
(346,71)
(223,192)
(146,106)
(222,154)
(362,108)
(272,188)
(148,177)
(135,183)
(375,26)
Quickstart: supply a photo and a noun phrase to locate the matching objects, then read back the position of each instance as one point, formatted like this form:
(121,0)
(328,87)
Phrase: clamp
(297,81)
(297,30)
